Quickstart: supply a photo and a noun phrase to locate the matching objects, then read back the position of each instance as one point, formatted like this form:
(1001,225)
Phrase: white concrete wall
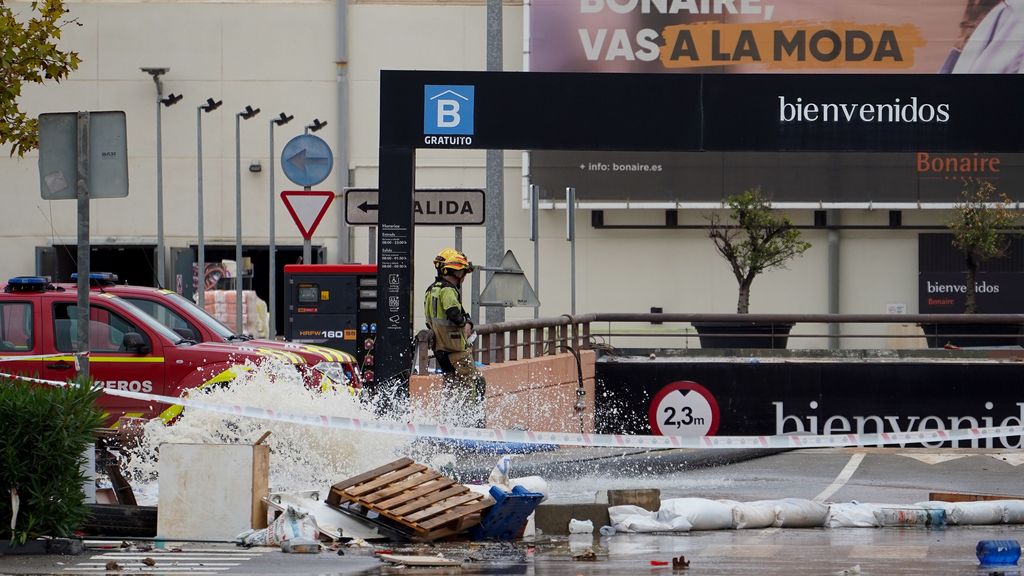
(279,56)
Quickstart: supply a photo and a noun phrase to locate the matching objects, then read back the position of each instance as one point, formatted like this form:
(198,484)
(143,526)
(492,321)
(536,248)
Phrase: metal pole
(273,259)
(832,217)
(458,238)
(495,163)
(83,244)
(570,222)
(474,295)
(372,253)
(239,298)
(201,275)
(535,237)
(160,275)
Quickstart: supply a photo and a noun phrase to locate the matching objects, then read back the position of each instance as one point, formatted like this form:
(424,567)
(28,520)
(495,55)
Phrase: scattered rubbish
(855,569)
(680,563)
(587,555)
(998,552)
(507,518)
(580,526)
(607,531)
(113,566)
(659,563)
(300,545)
(329,522)
(410,499)
(359,543)
(438,560)
(291,524)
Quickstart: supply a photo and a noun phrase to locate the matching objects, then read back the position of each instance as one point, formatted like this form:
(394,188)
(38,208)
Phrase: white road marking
(1011,458)
(933,458)
(843,478)
(169,557)
(193,561)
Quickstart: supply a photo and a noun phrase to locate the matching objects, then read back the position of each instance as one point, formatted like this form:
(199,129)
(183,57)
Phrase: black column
(395,288)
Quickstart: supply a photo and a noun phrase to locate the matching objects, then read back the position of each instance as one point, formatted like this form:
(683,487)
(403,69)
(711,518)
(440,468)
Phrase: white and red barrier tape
(571,438)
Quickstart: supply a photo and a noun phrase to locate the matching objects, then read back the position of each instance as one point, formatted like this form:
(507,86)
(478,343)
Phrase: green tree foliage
(981,225)
(758,240)
(29,55)
(46,431)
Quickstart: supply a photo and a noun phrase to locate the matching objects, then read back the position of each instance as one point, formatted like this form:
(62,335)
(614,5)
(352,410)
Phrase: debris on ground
(438,560)
(300,545)
(291,524)
(113,566)
(587,555)
(680,563)
(410,501)
(148,561)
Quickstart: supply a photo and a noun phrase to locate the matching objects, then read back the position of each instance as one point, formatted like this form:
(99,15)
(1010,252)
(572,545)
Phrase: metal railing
(524,339)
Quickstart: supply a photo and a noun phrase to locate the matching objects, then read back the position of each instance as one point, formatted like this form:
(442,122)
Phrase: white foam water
(302,457)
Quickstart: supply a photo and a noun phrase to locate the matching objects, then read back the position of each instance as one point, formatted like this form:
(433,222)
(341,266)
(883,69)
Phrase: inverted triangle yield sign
(307,208)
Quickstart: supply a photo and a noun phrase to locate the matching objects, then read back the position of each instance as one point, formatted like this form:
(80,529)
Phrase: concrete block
(553,519)
(646,498)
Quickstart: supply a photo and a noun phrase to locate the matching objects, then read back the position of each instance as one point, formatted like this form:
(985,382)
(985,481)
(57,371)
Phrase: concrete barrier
(517,390)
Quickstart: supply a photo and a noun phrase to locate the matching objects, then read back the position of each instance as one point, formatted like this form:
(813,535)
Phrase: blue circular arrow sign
(307,160)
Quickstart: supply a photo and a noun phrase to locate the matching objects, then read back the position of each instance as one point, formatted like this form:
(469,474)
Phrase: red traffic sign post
(307,208)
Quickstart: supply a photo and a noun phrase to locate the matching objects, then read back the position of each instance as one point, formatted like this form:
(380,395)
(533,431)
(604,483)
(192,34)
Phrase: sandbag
(853,515)
(799,513)
(759,514)
(1014,511)
(701,513)
(979,513)
(628,518)
(290,524)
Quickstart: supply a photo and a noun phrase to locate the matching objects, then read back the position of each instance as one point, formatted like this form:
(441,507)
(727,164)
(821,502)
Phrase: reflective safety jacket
(446,318)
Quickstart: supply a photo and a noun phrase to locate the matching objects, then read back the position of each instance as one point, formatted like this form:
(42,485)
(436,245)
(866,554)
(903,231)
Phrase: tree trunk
(743,303)
(971,300)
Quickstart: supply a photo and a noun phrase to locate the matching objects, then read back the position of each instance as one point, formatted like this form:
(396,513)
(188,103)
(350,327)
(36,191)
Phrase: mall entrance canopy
(659,112)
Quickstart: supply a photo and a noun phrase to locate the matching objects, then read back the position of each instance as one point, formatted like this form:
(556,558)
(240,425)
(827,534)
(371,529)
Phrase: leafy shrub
(46,431)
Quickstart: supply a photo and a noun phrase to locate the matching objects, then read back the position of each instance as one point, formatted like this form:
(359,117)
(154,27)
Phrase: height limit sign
(684,409)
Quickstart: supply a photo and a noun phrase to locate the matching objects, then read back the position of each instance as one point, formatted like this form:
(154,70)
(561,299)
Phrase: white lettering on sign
(878,423)
(129,385)
(448,113)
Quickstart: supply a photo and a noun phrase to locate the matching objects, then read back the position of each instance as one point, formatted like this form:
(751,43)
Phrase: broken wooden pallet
(414,498)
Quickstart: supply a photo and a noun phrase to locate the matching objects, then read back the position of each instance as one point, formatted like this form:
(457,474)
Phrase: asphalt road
(898,476)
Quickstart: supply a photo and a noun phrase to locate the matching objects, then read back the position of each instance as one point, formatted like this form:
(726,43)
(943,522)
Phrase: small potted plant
(756,240)
(981,225)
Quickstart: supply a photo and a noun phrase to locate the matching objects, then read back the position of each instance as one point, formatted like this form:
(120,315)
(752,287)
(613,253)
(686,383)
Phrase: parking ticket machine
(334,305)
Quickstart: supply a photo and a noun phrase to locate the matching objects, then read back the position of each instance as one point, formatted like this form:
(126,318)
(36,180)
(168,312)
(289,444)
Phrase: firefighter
(453,331)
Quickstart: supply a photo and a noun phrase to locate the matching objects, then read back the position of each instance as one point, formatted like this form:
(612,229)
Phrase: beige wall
(279,56)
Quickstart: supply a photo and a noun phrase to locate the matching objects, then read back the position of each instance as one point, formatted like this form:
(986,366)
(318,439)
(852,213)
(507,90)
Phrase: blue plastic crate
(506,519)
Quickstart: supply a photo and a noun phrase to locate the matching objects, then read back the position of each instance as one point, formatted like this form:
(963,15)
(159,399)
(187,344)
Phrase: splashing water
(305,457)
(302,457)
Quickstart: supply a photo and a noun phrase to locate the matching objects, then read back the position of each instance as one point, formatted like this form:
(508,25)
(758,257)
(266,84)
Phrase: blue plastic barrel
(998,552)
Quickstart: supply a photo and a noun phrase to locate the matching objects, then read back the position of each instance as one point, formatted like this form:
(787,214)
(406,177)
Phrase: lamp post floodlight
(171,100)
(281,120)
(315,126)
(210,106)
(246,114)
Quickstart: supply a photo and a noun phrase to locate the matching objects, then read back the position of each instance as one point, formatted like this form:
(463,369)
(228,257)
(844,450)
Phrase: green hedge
(44,433)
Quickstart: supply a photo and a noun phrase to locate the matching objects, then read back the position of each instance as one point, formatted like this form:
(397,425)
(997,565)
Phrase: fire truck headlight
(337,372)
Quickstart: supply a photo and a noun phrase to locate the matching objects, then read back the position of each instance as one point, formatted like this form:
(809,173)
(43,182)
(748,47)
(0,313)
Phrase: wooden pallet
(413,498)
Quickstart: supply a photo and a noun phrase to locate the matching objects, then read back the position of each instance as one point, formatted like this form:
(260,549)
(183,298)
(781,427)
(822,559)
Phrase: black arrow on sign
(366,206)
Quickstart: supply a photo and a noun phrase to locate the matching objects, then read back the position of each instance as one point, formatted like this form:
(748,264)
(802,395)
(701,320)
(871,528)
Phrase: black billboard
(766,398)
(942,282)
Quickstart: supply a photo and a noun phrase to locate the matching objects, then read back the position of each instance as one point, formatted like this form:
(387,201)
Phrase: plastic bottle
(607,531)
(580,526)
(998,552)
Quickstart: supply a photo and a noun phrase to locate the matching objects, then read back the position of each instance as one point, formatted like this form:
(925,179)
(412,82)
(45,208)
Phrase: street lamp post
(279,121)
(170,100)
(307,250)
(210,106)
(246,114)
